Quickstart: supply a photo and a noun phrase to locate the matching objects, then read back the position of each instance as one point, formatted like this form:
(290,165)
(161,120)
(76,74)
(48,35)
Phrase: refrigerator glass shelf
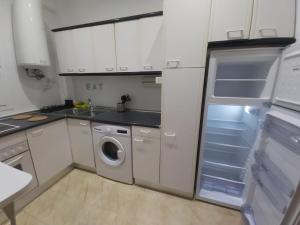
(226,125)
(226,140)
(234,174)
(230,158)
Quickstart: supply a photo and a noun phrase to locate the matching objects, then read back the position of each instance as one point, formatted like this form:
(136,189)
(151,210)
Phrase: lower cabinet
(146,154)
(50,149)
(81,142)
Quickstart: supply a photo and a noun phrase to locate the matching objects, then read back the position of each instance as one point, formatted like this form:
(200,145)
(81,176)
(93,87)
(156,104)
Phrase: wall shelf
(141,73)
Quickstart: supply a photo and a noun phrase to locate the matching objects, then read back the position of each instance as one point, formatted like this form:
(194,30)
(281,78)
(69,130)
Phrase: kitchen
(150,112)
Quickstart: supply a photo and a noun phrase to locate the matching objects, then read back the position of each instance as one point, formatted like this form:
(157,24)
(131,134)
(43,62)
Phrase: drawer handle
(173,63)
(145,131)
(139,140)
(148,67)
(81,70)
(268,32)
(235,34)
(109,69)
(123,68)
(83,124)
(170,134)
(37,133)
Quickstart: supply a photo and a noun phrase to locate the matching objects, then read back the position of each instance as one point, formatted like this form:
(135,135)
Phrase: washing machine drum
(111,152)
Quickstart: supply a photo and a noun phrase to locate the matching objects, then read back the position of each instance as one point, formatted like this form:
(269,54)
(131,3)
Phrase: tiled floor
(83,198)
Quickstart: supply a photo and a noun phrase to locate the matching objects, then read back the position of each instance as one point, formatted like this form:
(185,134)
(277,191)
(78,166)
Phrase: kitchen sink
(84,112)
(7,127)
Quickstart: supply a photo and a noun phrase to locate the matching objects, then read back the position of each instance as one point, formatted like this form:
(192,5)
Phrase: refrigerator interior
(247,73)
(228,135)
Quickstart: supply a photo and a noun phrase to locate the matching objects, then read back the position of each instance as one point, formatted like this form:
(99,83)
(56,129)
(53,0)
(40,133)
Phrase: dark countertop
(128,118)
(25,125)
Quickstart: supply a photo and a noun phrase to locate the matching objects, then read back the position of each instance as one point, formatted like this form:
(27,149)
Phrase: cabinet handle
(139,140)
(170,134)
(81,70)
(145,131)
(148,67)
(70,70)
(83,124)
(37,133)
(109,69)
(123,68)
(235,34)
(173,63)
(268,32)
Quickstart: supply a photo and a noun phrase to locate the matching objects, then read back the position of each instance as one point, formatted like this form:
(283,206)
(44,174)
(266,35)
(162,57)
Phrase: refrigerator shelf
(232,174)
(241,80)
(234,141)
(228,156)
(227,125)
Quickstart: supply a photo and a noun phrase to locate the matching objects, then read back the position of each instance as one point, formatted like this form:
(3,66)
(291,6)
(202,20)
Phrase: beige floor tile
(83,198)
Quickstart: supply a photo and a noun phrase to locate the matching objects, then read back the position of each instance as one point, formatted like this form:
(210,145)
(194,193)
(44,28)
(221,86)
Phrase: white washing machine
(113,155)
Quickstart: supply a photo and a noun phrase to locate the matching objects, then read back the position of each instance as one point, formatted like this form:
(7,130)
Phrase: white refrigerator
(249,156)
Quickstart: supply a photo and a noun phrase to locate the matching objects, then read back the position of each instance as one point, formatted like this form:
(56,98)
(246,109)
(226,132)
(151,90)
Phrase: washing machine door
(111,152)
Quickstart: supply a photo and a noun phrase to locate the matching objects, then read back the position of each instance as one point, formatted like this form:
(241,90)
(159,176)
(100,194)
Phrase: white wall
(143,98)
(17,91)
(73,12)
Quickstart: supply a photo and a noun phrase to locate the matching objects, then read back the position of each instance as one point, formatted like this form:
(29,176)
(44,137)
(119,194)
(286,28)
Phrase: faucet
(91,105)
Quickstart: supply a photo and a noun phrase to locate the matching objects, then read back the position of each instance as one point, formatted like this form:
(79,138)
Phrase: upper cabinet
(104,48)
(186,38)
(273,18)
(244,19)
(65,51)
(151,43)
(228,23)
(127,46)
(83,47)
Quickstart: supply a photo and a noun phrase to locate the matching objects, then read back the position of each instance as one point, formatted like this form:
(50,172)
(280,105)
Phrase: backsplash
(107,91)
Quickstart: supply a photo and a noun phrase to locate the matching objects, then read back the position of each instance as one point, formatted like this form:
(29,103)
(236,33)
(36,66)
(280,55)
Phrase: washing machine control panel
(112,130)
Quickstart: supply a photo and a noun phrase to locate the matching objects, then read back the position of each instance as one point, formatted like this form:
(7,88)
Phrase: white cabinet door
(146,154)
(104,48)
(81,142)
(230,19)
(50,149)
(151,44)
(84,54)
(65,51)
(182,91)
(127,46)
(186,25)
(273,18)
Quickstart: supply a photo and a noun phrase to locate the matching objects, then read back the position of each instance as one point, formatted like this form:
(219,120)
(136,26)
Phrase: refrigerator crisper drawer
(232,188)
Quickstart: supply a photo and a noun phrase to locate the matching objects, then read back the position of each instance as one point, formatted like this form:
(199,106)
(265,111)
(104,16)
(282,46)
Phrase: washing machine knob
(108,130)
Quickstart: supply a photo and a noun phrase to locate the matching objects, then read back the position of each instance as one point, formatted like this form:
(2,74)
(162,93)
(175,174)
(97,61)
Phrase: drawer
(146,132)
